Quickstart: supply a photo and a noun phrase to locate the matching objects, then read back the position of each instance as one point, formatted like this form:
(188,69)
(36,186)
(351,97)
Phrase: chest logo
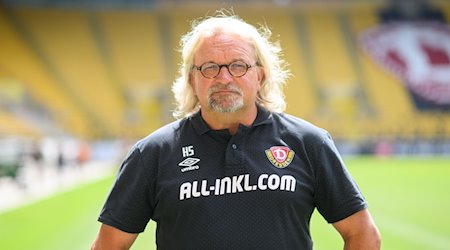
(280,156)
(189,164)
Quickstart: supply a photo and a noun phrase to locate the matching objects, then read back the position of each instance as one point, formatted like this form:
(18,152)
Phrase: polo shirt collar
(263,117)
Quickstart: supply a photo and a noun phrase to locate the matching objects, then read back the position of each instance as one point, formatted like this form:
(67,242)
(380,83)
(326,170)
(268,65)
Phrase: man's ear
(191,81)
(261,75)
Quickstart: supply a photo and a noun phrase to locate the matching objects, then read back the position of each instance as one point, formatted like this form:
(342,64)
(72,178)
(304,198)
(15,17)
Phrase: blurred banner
(413,42)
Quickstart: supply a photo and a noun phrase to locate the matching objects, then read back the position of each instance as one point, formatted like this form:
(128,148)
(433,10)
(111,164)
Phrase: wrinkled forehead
(226,46)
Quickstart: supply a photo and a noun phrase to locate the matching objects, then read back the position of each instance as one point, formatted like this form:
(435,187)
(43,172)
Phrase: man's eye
(209,67)
(238,66)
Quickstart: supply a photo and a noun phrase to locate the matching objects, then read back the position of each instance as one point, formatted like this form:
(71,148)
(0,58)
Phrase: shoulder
(163,137)
(300,128)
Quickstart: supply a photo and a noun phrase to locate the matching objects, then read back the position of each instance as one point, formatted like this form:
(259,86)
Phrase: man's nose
(224,75)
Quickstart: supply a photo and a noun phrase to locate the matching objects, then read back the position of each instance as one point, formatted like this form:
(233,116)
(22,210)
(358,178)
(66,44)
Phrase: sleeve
(128,206)
(337,194)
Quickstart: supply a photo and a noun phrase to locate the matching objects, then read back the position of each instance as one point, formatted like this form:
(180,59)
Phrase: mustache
(221,87)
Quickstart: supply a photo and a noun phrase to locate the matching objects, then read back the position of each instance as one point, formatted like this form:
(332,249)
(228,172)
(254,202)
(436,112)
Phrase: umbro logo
(188,164)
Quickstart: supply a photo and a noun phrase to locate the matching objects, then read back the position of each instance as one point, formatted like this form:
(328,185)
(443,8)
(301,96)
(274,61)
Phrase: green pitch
(408,198)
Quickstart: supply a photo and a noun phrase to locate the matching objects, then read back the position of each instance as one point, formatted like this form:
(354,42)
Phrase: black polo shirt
(257,189)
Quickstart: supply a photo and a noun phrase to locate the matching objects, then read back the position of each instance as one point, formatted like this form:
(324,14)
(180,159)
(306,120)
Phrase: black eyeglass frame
(248,66)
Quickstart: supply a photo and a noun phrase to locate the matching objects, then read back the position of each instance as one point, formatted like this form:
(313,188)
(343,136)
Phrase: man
(234,172)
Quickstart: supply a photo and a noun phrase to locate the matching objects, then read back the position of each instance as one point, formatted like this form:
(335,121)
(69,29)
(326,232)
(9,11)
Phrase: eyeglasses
(211,70)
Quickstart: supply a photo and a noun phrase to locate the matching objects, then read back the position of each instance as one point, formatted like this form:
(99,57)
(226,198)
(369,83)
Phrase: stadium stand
(137,60)
(12,125)
(65,37)
(105,71)
(136,63)
(20,63)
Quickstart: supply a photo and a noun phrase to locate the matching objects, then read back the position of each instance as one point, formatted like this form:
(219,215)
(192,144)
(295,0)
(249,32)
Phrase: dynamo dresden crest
(417,52)
(280,156)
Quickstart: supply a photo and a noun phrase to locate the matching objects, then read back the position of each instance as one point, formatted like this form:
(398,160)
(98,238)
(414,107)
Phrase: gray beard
(232,105)
(227,103)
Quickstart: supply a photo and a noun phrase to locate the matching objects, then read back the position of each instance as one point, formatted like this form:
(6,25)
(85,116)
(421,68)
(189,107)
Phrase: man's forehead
(219,39)
(227,44)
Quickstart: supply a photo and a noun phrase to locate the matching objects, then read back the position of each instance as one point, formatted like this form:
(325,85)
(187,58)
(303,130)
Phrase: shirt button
(234,146)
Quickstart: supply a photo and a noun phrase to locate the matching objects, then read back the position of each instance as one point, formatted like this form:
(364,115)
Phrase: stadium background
(82,80)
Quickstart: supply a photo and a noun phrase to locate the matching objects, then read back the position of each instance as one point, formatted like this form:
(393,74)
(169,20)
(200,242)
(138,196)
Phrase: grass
(64,221)
(408,199)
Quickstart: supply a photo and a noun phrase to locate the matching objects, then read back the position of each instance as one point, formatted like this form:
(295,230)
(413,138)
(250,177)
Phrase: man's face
(226,93)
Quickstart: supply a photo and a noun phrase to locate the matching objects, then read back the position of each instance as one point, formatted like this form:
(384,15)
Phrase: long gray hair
(268,53)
